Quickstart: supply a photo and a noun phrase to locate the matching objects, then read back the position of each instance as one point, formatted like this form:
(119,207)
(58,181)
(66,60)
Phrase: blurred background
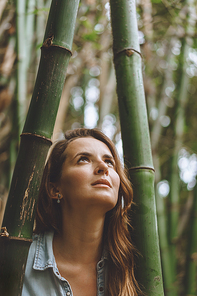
(167,36)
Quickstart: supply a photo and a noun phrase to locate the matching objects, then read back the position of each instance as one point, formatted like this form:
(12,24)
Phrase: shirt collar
(44,257)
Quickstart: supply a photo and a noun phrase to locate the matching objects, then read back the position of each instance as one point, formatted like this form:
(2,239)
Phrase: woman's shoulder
(40,264)
(40,251)
(40,237)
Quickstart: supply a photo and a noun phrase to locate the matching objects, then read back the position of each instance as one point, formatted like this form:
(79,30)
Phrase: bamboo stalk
(180,119)
(35,141)
(136,142)
(191,278)
(169,274)
(108,94)
(21,66)
(30,20)
(2,7)
(156,130)
(179,132)
(40,25)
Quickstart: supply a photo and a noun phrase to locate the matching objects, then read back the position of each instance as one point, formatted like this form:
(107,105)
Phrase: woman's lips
(102,182)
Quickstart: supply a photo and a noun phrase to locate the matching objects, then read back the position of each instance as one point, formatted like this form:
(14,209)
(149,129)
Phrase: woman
(82,245)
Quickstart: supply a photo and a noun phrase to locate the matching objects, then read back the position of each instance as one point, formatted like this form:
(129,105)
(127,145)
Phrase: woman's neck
(80,241)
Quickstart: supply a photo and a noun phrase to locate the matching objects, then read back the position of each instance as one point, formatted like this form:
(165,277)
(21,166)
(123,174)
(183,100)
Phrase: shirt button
(101,289)
(68,293)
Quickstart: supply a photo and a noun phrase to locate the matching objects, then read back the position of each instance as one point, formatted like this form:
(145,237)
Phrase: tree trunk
(136,142)
(35,141)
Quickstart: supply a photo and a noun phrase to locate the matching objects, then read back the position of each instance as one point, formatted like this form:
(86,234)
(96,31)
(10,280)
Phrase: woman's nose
(102,168)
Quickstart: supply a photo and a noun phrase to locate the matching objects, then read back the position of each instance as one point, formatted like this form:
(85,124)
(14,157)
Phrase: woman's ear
(54,191)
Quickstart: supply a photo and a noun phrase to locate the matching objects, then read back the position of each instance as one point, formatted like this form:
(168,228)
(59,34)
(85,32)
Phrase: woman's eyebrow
(85,153)
(82,153)
(108,156)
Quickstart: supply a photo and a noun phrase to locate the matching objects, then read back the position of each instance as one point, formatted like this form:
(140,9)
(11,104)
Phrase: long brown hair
(121,279)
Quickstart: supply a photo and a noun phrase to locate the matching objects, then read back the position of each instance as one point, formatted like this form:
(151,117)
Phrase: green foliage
(40,11)
(93,37)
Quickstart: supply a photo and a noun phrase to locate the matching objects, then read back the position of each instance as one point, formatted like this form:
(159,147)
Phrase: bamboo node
(48,42)
(142,168)
(65,48)
(129,51)
(35,135)
(4,232)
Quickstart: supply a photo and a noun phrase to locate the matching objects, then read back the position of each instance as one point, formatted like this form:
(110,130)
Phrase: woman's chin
(107,204)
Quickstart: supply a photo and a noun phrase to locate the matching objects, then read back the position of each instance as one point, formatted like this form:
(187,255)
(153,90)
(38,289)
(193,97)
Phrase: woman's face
(89,176)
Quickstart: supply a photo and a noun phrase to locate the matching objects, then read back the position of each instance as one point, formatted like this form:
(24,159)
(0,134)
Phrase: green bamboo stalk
(191,278)
(21,66)
(157,128)
(169,274)
(108,95)
(180,121)
(179,132)
(136,142)
(35,141)
(40,24)
(30,20)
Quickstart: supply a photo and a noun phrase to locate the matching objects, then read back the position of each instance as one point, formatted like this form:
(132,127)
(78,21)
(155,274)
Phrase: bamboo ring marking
(65,48)
(4,233)
(49,42)
(35,135)
(129,52)
(20,239)
(142,168)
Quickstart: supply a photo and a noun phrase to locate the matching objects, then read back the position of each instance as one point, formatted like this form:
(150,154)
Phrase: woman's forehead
(87,144)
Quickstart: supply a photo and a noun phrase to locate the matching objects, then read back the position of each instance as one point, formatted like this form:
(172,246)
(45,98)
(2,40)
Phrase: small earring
(58,199)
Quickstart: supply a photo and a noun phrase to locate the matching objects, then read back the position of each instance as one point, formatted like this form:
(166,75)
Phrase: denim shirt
(42,276)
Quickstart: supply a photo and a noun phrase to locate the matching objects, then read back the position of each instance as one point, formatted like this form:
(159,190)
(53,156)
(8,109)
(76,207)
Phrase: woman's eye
(110,162)
(83,159)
